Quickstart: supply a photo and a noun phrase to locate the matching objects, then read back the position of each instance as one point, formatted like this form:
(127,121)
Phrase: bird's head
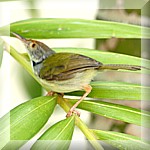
(37,51)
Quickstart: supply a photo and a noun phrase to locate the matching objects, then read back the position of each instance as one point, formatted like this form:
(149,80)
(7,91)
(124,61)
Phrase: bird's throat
(36,63)
(37,66)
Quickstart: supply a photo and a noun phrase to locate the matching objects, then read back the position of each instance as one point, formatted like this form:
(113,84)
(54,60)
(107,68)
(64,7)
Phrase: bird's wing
(62,66)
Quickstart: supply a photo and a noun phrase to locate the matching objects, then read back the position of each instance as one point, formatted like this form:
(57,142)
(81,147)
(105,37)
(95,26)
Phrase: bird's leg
(87,89)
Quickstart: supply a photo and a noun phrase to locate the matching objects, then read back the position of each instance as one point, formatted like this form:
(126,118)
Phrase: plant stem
(65,104)
(22,61)
(89,135)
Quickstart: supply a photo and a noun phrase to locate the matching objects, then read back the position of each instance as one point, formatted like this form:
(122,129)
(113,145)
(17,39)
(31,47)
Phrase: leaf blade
(45,28)
(115,90)
(115,111)
(57,136)
(106,57)
(121,140)
(29,116)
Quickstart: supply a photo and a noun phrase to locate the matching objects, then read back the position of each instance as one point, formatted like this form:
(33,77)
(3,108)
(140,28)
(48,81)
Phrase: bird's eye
(33,45)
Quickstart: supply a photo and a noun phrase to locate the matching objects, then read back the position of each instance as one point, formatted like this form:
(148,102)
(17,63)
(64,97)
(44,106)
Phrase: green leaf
(26,120)
(106,57)
(58,136)
(1,50)
(115,90)
(45,28)
(115,111)
(121,140)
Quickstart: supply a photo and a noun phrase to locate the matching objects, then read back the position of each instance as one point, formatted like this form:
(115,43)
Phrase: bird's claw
(71,112)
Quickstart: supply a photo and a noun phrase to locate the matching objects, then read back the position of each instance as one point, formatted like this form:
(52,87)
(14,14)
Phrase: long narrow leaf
(115,90)
(121,141)
(57,137)
(115,111)
(45,28)
(107,57)
(25,121)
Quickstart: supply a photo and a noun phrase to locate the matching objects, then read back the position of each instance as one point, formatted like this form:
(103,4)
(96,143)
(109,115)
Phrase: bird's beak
(19,37)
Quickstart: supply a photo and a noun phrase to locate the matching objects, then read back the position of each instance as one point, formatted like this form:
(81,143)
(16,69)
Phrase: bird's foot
(71,112)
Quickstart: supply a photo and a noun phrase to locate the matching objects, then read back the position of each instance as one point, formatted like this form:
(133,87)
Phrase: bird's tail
(120,66)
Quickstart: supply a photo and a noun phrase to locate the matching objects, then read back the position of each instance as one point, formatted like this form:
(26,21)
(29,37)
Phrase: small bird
(65,72)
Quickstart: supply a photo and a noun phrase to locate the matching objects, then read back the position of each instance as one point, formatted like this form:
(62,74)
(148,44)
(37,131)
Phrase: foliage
(28,118)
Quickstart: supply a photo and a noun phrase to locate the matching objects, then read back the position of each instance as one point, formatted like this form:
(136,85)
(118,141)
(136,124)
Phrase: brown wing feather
(62,66)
